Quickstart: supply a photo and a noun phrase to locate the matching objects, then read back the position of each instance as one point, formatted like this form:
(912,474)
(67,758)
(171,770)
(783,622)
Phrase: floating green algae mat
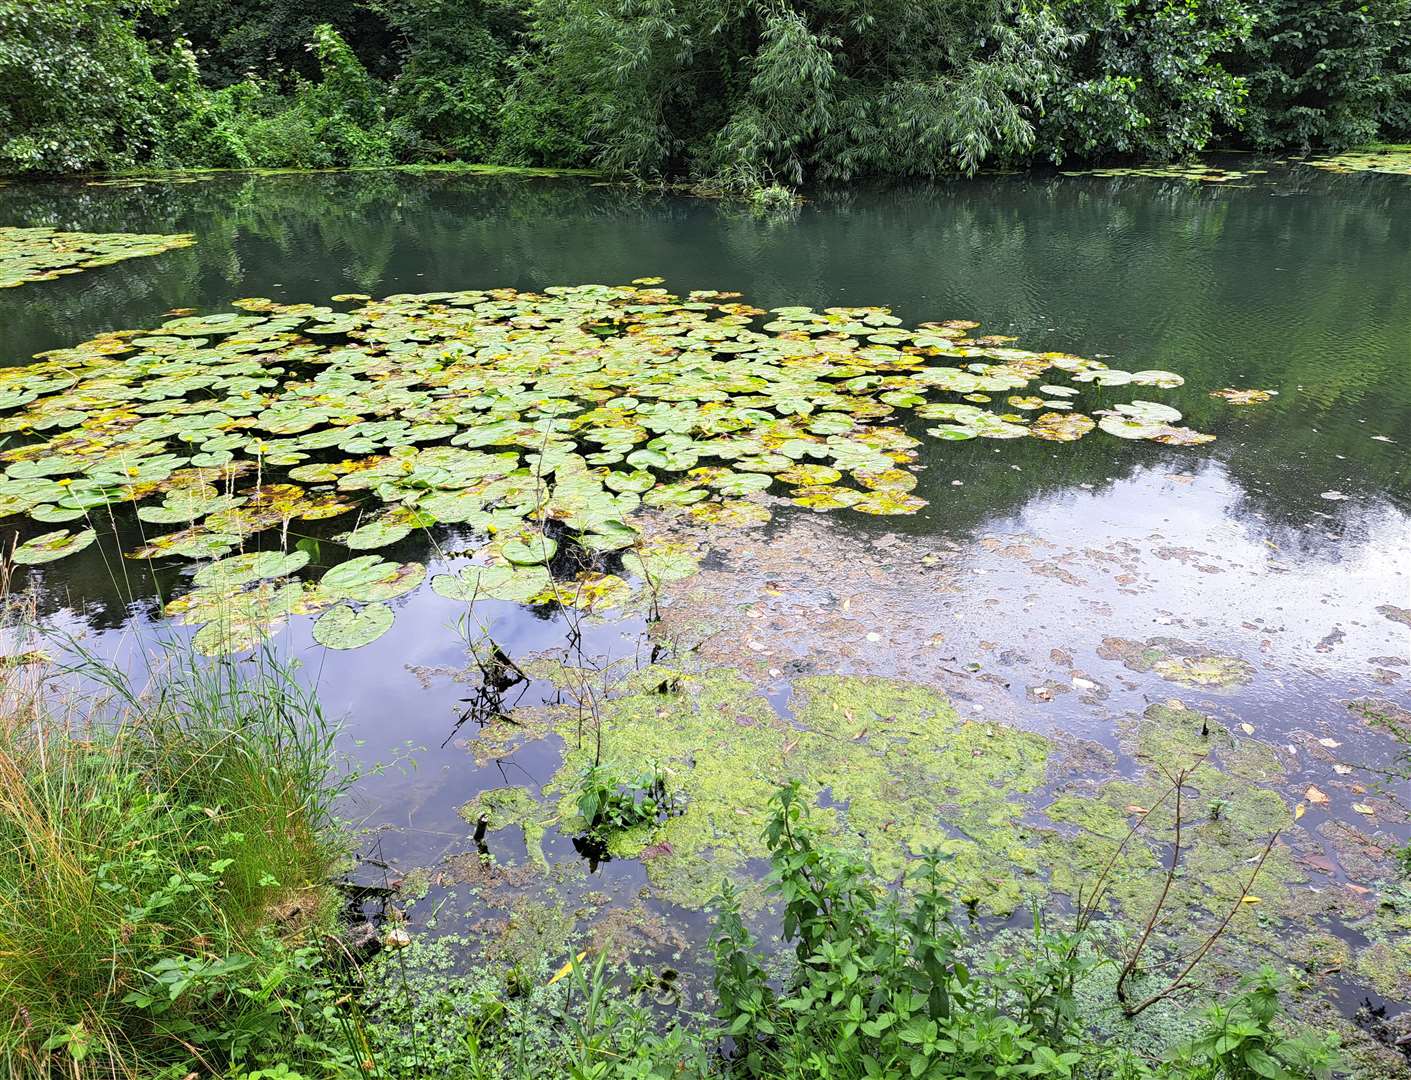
(895,771)
(911,773)
(45,254)
(540,421)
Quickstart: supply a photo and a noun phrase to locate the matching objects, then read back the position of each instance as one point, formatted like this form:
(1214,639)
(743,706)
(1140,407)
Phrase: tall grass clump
(163,857)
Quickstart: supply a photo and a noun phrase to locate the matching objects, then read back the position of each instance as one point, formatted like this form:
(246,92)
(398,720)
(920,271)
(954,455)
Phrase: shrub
(1326,73)
(201,127)
(1149,79)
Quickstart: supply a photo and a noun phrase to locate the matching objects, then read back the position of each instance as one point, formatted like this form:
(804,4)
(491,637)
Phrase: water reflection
(1276,543)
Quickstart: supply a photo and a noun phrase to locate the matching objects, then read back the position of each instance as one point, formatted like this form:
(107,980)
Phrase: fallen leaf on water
(1248,729)
(397,938)
(1363,808)
(563,971)
(1316,797)
(1251,900)
(1135,809)
(1244,397)
(1331,744)
(1341,769)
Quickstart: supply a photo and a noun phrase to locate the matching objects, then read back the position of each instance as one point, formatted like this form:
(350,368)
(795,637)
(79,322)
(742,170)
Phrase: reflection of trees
(1299,283)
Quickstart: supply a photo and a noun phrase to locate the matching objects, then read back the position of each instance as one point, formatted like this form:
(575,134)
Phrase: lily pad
(250,567)
(662,562)
(516,583)
(1061,427)
(733,513)
(345,627)
(529,551)
(369,578)
(52,546)
(375,534)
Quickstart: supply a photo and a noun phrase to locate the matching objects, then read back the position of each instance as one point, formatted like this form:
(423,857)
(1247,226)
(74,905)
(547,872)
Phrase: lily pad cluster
(45,254)
(539,421)
(1199,172)
(1394,160)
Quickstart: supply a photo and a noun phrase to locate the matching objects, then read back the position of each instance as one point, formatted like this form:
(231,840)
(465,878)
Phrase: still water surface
(1276,544)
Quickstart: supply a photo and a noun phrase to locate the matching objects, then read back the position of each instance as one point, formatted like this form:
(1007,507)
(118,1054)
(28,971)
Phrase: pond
(1000,659)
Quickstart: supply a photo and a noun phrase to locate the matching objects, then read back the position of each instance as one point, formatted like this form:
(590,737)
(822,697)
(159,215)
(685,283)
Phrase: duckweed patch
(541,422)
(45,254)
(895,771)
(897,768)
(511,807)
(1217,848)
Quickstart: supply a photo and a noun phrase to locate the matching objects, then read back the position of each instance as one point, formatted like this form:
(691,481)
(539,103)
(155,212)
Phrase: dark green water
(1278,541)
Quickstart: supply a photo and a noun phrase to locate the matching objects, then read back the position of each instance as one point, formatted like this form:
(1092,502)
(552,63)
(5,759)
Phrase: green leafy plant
(608,805)
(879,986)
(1240,1042)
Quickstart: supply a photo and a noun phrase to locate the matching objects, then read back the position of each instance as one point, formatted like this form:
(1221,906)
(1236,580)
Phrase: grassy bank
(163,858)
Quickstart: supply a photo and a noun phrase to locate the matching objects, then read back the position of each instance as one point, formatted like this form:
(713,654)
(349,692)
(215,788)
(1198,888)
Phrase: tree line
(737,92)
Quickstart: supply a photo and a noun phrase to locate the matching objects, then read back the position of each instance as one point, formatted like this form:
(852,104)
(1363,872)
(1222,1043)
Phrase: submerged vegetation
(736,95)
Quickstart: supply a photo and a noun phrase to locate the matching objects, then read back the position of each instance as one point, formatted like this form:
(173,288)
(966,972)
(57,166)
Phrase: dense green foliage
(162,865)
(738,93)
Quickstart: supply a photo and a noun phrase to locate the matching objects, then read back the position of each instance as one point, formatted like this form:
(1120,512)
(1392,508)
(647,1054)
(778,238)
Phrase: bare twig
(1179,981)
(1178,784)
